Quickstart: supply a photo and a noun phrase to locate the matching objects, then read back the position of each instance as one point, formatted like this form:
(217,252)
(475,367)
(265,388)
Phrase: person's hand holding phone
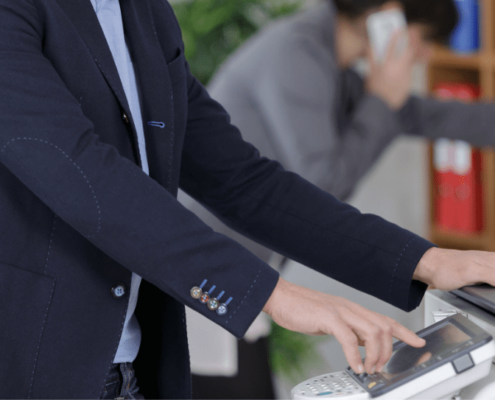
(391,79)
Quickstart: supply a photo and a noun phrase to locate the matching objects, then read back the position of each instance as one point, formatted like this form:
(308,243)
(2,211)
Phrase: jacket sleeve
(48,144)
(435,119)
(286,213)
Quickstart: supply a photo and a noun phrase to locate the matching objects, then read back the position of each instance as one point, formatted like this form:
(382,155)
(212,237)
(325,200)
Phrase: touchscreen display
(438,342)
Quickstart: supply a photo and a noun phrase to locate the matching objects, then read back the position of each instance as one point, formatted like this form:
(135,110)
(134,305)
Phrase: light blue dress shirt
(110,18)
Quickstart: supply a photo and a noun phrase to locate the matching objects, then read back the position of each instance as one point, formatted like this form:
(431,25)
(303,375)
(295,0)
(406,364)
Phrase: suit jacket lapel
(152,75)
(82,15)
(157,96)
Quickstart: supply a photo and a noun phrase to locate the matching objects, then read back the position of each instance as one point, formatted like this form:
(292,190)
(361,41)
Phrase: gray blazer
(284,90)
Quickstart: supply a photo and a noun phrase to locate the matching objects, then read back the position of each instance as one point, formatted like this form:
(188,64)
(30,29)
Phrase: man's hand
(453,269)
(391,80)
(307,311)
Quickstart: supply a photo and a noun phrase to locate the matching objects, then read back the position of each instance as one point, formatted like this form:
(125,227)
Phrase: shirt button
(125,118)
(118,291)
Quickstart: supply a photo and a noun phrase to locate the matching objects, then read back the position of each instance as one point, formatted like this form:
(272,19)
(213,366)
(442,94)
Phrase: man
(82,222)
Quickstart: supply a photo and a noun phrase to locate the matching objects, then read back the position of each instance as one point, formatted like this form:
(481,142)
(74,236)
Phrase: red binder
(445,91)
(467,92)
(468,189)
(458,202)
(445,182)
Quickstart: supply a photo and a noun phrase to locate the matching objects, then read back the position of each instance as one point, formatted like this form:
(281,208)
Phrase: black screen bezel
(478,338)
(474,295)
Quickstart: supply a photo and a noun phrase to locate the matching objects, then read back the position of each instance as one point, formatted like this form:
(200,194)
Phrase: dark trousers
(121,383)
(253,381)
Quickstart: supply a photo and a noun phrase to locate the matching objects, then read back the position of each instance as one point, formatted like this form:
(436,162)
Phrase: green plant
(292,354)
(213,29)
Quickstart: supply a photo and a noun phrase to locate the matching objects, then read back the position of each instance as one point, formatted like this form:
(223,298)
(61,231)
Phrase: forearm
(283,212)
(371,130)
(287,214)
(435,119)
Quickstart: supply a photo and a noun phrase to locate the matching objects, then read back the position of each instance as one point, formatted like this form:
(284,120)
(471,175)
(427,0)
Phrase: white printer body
(456,363)
(440,305)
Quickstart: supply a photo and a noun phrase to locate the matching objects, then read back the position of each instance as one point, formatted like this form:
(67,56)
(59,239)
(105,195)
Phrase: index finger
(407,336)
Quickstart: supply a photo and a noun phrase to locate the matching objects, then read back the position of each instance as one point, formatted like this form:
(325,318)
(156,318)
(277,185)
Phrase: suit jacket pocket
(25,299)
(177,68)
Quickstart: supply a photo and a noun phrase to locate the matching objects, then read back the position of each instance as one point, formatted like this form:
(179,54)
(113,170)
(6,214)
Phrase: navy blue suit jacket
(78,214)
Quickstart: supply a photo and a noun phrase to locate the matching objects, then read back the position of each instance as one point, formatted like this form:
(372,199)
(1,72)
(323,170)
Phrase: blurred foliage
(293,354)
(213,29)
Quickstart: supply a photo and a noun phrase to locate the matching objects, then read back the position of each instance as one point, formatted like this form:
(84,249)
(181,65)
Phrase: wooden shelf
(442,56)
(461,241)
(478,68)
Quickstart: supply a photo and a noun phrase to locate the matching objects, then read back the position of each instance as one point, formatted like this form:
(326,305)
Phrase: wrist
(425,269)
(274,297)
(393,104)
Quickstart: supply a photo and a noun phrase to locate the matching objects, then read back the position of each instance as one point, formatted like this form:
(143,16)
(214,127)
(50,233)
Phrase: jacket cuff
(403,283)
(236,311)
(253,302)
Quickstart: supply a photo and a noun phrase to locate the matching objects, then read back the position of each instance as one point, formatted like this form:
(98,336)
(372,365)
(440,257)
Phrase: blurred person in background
(293,92)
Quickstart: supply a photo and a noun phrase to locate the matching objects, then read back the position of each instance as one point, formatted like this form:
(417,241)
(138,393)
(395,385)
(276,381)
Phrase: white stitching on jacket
(77,166)
(50,244)
(44,320)
(244,298)
(397,264)
(39,343)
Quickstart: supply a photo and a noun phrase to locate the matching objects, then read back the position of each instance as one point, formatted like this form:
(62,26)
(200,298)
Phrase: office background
(396,188)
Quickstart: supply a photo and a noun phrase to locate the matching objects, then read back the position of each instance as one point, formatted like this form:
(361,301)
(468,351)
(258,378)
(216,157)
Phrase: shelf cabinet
(477,68)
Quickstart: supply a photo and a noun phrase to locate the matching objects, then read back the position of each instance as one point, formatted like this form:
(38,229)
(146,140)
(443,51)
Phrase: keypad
(338,384)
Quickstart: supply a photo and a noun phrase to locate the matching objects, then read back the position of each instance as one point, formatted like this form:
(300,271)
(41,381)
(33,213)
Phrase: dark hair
(440,16)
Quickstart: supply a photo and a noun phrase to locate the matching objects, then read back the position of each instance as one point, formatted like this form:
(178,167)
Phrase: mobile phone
(381,26)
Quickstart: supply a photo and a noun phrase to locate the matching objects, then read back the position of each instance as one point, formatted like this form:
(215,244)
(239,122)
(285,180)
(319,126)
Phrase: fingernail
(373,371)
(361,368)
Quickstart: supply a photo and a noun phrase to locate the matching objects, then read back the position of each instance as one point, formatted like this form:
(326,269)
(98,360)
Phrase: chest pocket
(178,73)
(177,68)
